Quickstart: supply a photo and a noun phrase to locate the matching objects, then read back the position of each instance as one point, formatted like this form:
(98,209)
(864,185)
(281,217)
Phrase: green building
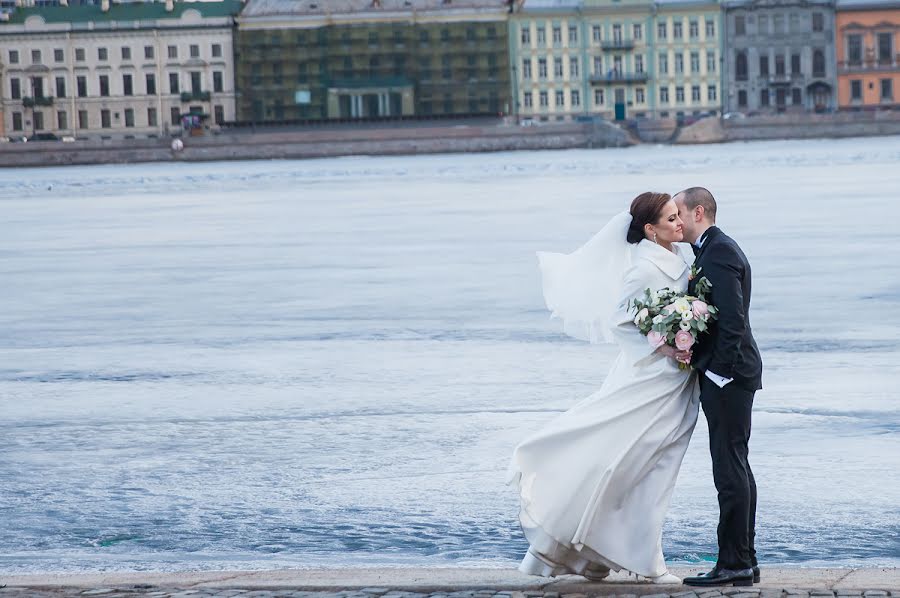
(302,60)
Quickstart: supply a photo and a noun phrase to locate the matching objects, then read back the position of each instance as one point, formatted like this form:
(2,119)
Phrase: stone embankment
(432,138)
(790,126)
(321,143)
(444,583)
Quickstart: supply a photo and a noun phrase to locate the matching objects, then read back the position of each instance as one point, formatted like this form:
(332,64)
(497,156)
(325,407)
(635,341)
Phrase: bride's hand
(681,356)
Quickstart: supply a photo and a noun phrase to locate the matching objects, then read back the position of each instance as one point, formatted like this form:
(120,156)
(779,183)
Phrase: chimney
(104,5)
(170,5)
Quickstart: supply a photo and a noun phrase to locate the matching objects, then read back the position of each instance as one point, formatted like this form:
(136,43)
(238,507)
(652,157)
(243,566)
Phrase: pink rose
(656,339)
(700,309)
(684,340)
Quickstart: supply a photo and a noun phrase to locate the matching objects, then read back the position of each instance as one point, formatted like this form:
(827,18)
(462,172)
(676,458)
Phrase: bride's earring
(654,238)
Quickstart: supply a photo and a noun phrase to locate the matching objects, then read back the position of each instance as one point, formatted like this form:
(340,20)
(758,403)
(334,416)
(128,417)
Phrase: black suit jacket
(728,349)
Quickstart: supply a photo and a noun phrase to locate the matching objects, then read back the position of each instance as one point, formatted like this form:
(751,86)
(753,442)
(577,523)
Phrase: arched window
(818,63)
(740,66)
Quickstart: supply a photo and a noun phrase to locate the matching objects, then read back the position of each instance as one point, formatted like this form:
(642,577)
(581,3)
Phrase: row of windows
(398,37)
(543,97)
(696,94)
(425,70)
(36,85)
(615,65)
(741,69)
(886,88)
(59,54)
(618,32)
(107,119)
(883,53)
(765,97)
(778,24)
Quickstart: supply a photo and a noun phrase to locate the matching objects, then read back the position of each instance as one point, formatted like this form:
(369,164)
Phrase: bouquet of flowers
(672,318)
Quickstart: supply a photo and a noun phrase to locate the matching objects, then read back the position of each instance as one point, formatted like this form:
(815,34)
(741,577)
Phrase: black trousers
(728,412)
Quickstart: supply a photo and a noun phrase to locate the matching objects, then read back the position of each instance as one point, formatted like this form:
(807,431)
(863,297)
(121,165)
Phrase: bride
(595,482)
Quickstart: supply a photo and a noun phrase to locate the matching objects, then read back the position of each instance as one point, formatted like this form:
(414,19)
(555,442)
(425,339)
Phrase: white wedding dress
(595,482)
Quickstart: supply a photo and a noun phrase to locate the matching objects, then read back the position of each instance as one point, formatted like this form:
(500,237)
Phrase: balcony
(38,101)
(613,78)
(871,65)
(198,96)
(617,45)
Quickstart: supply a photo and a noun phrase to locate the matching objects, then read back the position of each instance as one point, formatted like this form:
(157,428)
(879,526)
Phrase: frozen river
(323,363)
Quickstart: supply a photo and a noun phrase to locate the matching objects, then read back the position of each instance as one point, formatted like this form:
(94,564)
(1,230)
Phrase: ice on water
(267,364)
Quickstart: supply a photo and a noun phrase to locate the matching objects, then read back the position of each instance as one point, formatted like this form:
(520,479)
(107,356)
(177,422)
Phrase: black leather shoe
(755,574)
(722,577)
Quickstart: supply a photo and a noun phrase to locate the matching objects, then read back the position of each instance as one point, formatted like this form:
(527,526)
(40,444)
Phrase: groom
(731,372)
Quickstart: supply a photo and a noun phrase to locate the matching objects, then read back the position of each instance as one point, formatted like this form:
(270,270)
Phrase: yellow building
(687,58)
(616,59)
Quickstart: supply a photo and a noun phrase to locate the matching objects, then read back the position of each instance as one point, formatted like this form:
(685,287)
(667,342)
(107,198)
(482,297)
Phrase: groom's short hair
(700,196)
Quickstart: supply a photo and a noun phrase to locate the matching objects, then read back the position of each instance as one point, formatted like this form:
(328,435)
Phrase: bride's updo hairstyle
(645,209)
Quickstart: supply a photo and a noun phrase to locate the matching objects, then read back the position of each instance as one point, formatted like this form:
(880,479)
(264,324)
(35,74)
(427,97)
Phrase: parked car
(528,122)
(43,137)
(733,115)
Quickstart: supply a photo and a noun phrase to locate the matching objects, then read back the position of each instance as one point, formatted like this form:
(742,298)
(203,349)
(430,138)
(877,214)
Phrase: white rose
(641,316)
(682,305)
(688,315)
(685,325)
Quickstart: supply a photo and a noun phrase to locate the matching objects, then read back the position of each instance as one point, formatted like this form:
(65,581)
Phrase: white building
(119,70)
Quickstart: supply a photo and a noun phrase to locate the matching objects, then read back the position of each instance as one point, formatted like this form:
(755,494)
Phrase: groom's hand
(682,356)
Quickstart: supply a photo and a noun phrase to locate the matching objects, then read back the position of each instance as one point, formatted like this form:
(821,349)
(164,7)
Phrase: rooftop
(125,12)
(258,8)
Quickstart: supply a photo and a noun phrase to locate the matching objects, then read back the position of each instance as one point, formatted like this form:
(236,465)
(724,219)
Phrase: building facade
(585,57)
(308,60)
(780,56)
(687,58)
(868,54)
(616,58)
(117,70)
